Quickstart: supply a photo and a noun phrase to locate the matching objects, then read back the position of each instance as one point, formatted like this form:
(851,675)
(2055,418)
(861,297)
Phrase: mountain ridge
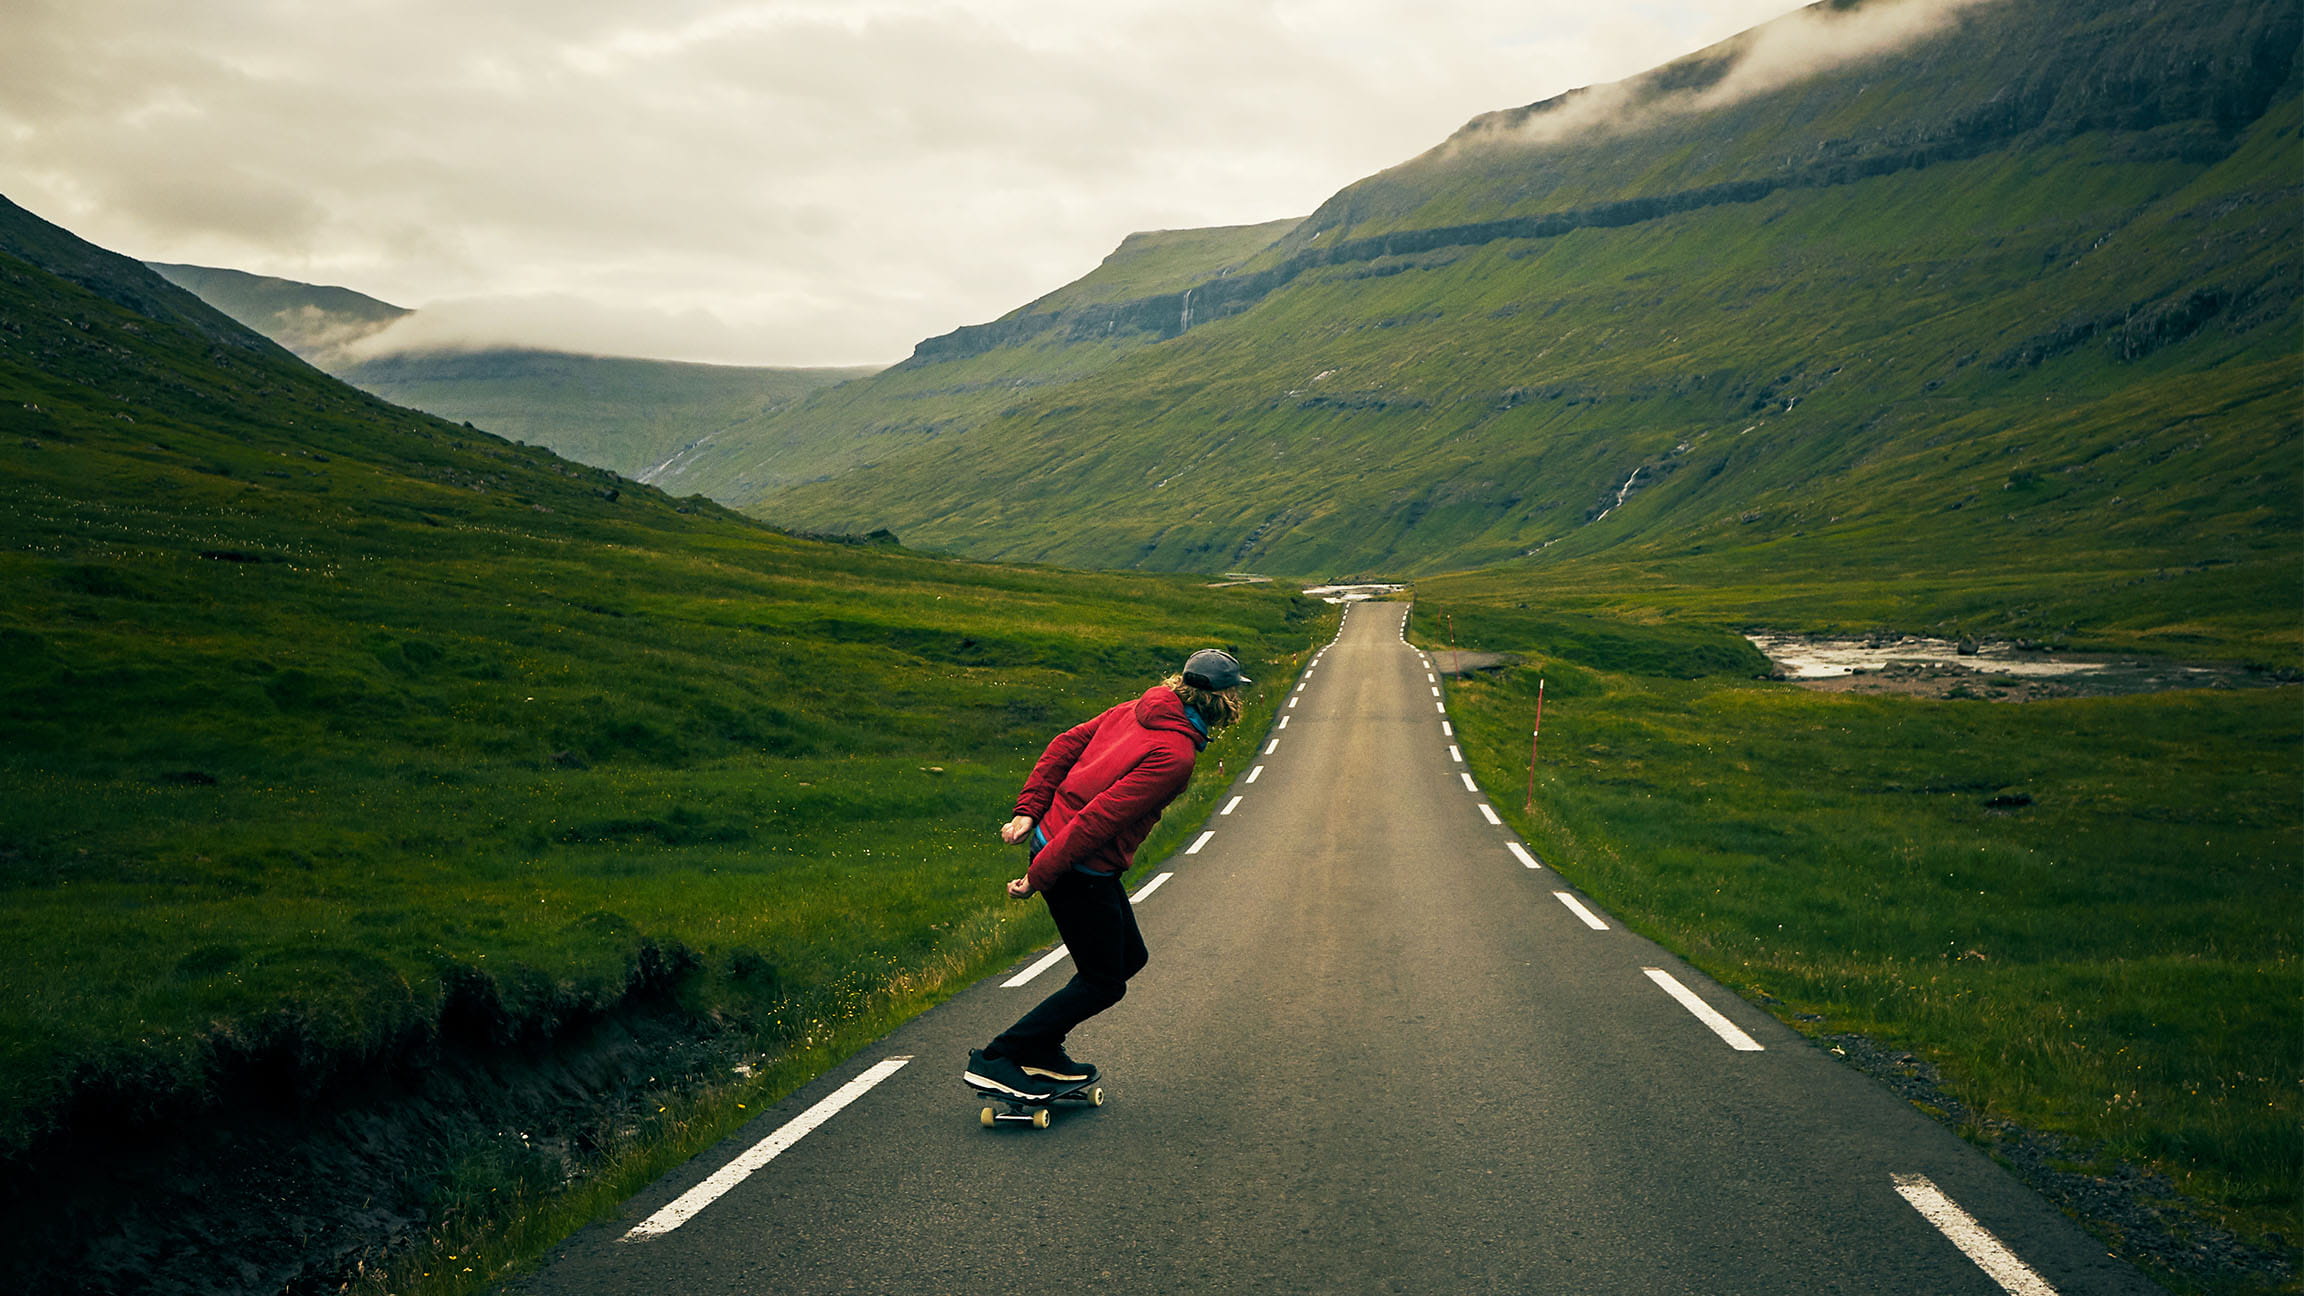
(2045,324)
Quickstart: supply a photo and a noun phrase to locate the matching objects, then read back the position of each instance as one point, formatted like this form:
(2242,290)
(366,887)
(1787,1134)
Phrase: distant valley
(620,413)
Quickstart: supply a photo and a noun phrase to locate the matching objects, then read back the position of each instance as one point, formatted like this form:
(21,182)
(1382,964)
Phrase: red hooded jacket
(1100,786)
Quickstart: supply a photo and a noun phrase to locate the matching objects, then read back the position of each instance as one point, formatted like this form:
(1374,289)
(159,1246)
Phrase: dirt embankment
(291,1176)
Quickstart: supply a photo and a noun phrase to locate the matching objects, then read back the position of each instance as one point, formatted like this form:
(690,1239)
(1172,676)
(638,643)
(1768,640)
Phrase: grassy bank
(502,1207)
(2083,912)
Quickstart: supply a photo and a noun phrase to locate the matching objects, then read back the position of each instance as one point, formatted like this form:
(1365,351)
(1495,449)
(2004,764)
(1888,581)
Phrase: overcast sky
(792,182)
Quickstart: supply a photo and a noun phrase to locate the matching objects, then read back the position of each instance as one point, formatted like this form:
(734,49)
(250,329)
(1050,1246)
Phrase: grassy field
(2084,913)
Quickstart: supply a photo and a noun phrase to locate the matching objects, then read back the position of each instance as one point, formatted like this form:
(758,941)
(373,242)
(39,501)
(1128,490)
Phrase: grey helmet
(1213,669)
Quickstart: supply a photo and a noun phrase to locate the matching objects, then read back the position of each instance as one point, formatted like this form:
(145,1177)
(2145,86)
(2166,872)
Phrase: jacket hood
(1160,708)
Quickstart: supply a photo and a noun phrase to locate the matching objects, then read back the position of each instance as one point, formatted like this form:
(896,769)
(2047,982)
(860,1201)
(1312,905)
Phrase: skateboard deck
(1007,1107)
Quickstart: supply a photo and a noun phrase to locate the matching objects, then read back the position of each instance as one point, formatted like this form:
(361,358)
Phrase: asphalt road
(1374,1052)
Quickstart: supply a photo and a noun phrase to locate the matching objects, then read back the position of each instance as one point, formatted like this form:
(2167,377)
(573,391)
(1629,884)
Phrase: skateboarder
(1090,802)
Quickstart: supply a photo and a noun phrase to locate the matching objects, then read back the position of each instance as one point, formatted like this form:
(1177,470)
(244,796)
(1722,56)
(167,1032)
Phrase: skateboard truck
(1034,1111)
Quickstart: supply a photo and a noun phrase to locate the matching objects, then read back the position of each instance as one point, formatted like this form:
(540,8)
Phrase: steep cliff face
(1783,106)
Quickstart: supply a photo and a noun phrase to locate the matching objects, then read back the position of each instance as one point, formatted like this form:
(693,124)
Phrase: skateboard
(1034,1111)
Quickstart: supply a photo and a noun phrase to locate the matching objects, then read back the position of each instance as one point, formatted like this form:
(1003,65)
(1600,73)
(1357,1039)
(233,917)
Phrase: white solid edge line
(1520,853)
(1047,961)
(1488,812)
(1704,1012)
(1271,746)
(1199,842)
(1454,754)
(1231,805)
(1151,886)
(1996,1260)
(1469,785)
(1591,919)
(686,1205)
(1252,774)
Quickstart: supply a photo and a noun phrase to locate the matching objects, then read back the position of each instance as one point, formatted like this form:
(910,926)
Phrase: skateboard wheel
(1095,1095)
(1040,1119)
(989,1117)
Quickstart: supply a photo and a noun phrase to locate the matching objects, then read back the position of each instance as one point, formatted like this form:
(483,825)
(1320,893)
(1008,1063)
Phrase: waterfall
(1621,492)
(1187,321)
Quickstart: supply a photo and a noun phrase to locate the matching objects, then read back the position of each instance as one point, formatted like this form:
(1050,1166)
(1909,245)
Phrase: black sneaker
(1058,1067)
(1002,1075)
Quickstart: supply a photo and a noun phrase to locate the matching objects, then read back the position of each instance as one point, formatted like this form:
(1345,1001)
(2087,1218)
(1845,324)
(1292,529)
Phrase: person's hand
(1020,889)
(1016,829)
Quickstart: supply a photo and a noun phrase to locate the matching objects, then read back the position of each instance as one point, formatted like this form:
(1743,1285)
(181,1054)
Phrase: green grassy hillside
(623,414)
(2046,351)
(954,384)
(627,415)
(327,721)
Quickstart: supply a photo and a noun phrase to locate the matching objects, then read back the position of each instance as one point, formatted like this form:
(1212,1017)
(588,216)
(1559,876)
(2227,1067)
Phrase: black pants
(1099,927)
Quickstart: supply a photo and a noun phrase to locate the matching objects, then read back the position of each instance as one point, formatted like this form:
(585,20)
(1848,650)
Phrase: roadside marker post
(1529,806)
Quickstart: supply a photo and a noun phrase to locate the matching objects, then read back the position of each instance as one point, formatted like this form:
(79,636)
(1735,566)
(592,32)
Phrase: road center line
(1996,1260)
(1520,853)
(1488,812)
(1252,774)
(1231,805)
(686,1205)
(1199,842)
(1576,907)
(1469,785)
(1704,1012)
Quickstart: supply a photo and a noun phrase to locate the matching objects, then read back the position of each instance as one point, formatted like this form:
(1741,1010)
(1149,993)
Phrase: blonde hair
(1218,707)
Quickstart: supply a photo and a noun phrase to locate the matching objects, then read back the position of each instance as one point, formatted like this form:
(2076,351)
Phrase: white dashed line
(1520,853)
(1255,773)
(1469,785)
(1488,812)
(1454,754)
(1576,907)
(686,1205)
(1996,1260)
(1440,707)
(1435,690)
(1284,721)
(1447,730)
(1291,702)
(1046,961)
(1705,1013)
(1271,746)
(1194,848)
(1150,887)
(1231,805)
